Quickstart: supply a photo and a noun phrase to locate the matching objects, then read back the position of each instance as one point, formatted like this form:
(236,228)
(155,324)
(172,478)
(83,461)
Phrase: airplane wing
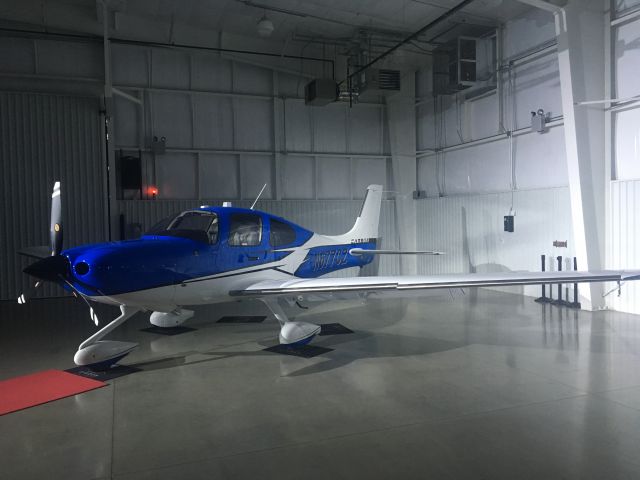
(366,251)
(427,282)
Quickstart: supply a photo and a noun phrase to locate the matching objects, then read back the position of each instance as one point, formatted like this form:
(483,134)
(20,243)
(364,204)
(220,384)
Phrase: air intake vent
(388,79)
(380,79)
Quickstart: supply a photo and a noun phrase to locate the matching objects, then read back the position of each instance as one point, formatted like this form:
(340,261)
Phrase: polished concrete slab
(487,386)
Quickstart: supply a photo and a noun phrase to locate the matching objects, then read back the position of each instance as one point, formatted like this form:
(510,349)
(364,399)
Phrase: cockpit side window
(281,233)
(245,230)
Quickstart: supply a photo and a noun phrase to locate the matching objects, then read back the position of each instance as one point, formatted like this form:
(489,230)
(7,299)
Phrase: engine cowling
(170,319)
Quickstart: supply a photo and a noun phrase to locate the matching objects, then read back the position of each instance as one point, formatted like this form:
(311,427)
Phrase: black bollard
(575,303)
(543,298)
(559,300)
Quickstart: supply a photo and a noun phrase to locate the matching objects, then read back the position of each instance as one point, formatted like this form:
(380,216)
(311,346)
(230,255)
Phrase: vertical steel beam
(609,155)
(112,206)
(401,123)
(581,60)
(276,190)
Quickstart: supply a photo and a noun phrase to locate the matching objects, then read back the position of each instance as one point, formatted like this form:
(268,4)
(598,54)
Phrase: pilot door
(245,246)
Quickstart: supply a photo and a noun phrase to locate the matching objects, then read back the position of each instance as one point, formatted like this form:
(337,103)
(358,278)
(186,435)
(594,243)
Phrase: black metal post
(559,301)
(543,298)
(575,303)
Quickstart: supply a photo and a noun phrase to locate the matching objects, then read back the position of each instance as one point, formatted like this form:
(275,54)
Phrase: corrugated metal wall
(230,127)
(470,230)
(624,234)
(44,138)
(329,217)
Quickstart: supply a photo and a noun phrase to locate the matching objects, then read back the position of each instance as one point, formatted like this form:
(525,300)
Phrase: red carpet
(42,387)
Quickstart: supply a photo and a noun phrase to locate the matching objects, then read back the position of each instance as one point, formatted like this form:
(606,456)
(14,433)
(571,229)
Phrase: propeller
(77,294)
(25,296)
(55,231)
(54,268)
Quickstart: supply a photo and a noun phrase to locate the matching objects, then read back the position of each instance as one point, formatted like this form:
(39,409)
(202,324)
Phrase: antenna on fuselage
(258,197)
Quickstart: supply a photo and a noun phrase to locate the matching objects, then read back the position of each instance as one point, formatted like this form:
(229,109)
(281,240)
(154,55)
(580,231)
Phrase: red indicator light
(153,191)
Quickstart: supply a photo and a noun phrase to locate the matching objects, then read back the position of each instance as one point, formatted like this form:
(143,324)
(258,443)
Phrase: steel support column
(581,59)
(401,121)
(109,130)
(580,29)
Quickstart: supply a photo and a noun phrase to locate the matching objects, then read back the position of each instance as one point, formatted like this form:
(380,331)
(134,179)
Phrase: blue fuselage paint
(157,260)
(329,258)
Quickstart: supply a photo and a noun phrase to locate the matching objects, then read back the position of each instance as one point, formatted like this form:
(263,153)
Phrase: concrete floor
(490,386)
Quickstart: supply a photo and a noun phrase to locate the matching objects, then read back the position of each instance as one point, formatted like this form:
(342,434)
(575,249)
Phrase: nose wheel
(101,354)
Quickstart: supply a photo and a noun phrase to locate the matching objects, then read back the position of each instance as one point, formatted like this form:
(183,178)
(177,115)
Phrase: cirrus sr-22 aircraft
(211,255)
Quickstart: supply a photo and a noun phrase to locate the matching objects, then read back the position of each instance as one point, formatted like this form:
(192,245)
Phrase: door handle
(253,257)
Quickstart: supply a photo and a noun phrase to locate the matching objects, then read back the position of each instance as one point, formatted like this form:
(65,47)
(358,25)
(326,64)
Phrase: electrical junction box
(509,223)
(320,92)
(538,121)
(159,145)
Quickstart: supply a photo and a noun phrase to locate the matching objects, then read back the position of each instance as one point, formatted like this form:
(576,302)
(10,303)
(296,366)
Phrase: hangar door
(44,138)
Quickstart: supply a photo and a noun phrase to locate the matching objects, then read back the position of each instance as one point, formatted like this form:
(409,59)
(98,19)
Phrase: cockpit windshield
(197,225)
(192,221)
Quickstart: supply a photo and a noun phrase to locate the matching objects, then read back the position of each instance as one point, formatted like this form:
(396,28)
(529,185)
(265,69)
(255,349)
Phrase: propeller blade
(49,268)
(24,297)
(55,232)
(76,293)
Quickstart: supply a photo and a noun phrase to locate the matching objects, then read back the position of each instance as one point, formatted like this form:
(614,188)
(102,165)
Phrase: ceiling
(293,20)
(329,18)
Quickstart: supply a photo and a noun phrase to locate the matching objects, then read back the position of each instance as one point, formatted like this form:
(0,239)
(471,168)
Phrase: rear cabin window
(245,230)
(281,233)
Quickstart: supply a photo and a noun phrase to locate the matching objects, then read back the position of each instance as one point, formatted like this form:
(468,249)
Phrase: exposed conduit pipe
(411,37)
(94,38)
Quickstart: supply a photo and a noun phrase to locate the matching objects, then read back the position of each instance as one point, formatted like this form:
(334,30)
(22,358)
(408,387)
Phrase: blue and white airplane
(215,254)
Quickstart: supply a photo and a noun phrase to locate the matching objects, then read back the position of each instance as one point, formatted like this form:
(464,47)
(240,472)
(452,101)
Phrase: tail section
(366,227)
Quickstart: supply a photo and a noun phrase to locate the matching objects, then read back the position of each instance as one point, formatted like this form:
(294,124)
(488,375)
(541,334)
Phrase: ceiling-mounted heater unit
(455,66)
(321,91)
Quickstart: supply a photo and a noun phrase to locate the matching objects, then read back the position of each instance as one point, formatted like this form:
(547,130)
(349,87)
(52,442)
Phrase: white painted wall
(449,123)
(226,118)
(469,229)
(472,171)
(623,242)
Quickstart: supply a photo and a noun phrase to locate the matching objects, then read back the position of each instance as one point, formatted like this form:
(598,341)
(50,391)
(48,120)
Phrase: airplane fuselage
(169,266)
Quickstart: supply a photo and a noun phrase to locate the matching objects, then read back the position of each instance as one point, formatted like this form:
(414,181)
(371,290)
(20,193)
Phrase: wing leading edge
(423,282)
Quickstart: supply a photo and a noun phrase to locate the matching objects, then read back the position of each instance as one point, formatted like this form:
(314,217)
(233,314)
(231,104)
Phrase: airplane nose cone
(49,268)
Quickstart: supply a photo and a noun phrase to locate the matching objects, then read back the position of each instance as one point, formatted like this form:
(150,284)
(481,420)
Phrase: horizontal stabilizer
(36,252)
(364,251)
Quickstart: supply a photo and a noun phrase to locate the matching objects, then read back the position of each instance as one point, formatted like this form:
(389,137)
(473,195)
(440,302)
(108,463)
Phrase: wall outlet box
(417,194)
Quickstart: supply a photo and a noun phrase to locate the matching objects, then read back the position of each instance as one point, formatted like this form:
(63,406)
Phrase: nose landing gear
(101,354)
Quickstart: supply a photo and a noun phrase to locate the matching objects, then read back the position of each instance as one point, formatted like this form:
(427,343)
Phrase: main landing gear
(293,334)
